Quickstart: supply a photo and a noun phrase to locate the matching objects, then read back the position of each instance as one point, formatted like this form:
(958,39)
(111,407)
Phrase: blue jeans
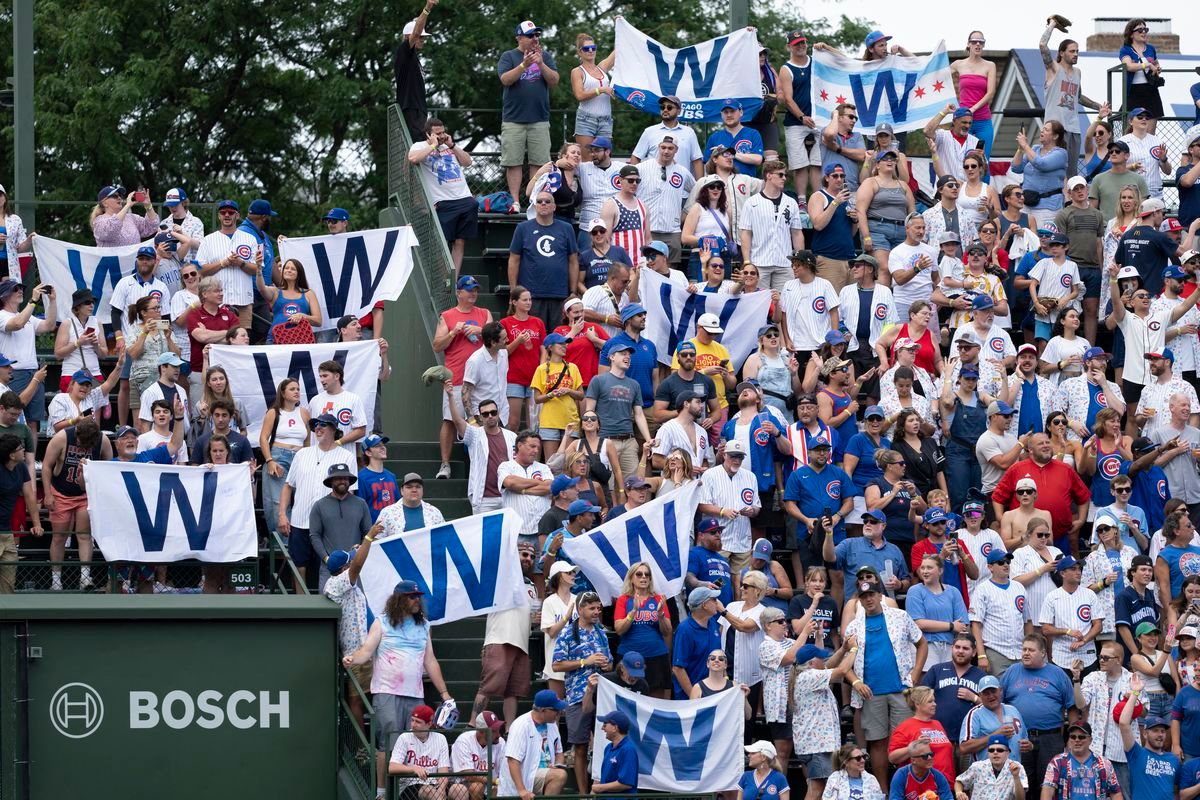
(272,487)
(983,130)
(962,472)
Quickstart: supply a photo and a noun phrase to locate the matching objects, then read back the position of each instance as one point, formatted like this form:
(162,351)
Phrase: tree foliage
(248,99)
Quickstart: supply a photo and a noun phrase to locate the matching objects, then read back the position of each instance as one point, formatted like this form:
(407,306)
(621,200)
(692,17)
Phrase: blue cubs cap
(338,215)
(467,282)
(560,484)
(836,337)
(656,249)
(810,651)
(771,326)
(684,346)
(175,197)
(1059,238)
(581,507)
(982,302)
(1095,352)
(635,664)
(962,111)
(617,718)
(1133,112)
(876,515)
(124,430)
(630,311)
(407,587)
(223,204)
(708,525)
(874,37)
(1174,271)
(1156,722)
(620,347)
(82,376)
(995,556)
(147,252)
(163,236)
(554,338)
(337,561)
(999,407)
(731,103)
(5,361)
(969,371)
(324,419)
(933,516)
(998,740)
(263,208)
(546,698)
(1066,563)
(874,412)
(374,440)
(601,143)
(109,191)
(832,168)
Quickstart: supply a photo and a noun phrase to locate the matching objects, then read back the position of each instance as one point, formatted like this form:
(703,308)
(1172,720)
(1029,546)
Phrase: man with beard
(1031,395)
(597,180)
(1152,407)
(687,153)
(955,684)
(1152,770)
(665,186)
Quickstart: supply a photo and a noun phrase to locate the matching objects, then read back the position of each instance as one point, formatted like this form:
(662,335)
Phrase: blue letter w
(638,532)
(884,82)
(444,543)
(108,270)
(669,77)
(693,308)
(170,487)
(354,259)
(687,757)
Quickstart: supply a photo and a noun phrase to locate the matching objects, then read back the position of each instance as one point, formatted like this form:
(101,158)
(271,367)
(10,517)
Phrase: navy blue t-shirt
(711,566)
(1149,251)
(594,268)
(945,681)
(527,100)
(545,252)
(1189,197)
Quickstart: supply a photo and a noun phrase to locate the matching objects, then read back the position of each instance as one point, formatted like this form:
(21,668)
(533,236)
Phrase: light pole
(739,14)
(24,191)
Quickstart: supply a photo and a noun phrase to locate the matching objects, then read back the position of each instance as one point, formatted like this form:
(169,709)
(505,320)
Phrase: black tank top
(66,479)
(707,692)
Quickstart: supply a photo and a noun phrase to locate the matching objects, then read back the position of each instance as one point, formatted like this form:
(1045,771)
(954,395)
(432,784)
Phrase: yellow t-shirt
(710,355)
(557,411)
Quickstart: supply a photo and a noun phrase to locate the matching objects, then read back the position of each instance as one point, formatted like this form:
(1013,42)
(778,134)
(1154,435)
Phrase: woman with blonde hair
(850,779)
(977,200)
(641,618)
(13,239)
(745,617)
(921,726)
(1103,455)
(114,224)
(776,371)
(560,178)
(216,387)
(593,90)
(676,474)
(557,610)
(1129,201)
(578,466)
(766,776)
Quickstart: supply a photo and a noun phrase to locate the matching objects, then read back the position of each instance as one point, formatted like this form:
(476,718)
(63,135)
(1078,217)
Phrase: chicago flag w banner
(904,92)
(673,313)
(701,75)
(682,745)
(465,568)
(68,267)
(659,533)
(351,272)
(255,372)
(154,513)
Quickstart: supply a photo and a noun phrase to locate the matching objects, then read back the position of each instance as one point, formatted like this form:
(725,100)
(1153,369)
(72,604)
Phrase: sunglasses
(771,335)
(717,187)
(716,265)
(641,574)
(1141,296)
(1141,30)
(631,180)
(779,621)
(1142,116)
(1123,490)
(980,42)
(1043,535)
(591,418)
(842,369)
(1078,737)
(997,749)
(544,202)
(1108,658)
(949,185)
(492,413)
(1018,194)
(969,165)
(858,757)
(588,48)
(600,232)
(187,275)
(1062,422)
(716,658)
(924,756)
(899,463)
(1026,491)
(852,117)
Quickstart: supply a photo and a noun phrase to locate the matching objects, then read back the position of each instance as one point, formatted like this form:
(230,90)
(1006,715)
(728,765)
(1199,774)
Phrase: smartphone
(141,197)
(724,363)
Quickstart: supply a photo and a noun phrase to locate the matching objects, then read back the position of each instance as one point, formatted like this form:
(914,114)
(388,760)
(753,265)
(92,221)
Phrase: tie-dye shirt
(400,659)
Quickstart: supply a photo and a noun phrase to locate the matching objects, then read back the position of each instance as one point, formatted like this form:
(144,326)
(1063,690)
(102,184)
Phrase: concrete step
(426,468)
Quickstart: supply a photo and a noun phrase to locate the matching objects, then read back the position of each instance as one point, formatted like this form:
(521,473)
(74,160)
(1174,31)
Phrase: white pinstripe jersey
(672,435)
(307,477)
(238,285)
(531,507)
(739,491)
(597,185)
(770,228)
(1002,611)
(1073,611)
(664,196)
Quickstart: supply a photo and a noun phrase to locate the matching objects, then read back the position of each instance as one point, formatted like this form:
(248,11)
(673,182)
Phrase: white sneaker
(85,578)
(443,471)
(56,582)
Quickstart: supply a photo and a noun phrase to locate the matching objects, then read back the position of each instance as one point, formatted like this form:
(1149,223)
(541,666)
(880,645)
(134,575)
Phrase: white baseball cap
(1076,180)
(410,26)
(596,223)
(1128,272)
(1187,256)
(710,323)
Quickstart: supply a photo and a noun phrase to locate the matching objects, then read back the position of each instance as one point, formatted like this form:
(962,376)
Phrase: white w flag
(673,313)
(351,272)
(465,568)
(703,76)
(157,513)
(682,745)
(659,533)
(256,371)
(904,92)
(68,267)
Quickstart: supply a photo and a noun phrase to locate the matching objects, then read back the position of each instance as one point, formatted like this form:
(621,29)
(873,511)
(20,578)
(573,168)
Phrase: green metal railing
(356,751)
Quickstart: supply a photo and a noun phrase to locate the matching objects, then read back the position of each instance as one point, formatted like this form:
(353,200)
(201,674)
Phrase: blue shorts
(550,434)
(517,390)
(1091,281)
(301,550)
(126,370)
(1042,330)
(459,219)
(885,235)
(592,124)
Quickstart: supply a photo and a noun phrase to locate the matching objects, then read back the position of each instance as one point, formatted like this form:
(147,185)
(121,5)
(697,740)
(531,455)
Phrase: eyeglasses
(489,413)
(588,48)
(631,180)
(542,202)
(1124,490)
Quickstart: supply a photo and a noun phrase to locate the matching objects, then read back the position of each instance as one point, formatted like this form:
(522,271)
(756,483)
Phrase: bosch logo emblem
(637,99)
(1162,489)
(615,182)
(834,489)
(1020,601)
(1154,325)
(762,438)
(676,180)
(880,312)
(986,549)
(244,252)
(748,496)
(1065,280)
(818,305)
(345,416)
(76,710)
(1085,614)
(1110,467)
(743,145)
(997,345)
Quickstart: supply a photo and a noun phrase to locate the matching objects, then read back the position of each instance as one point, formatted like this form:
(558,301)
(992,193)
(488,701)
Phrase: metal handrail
(286,564)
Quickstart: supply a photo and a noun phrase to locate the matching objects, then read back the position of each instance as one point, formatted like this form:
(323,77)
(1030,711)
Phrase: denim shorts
(592,124)
(1091,280)
(517,390)
(885,235)
(550,434)
(1042,330)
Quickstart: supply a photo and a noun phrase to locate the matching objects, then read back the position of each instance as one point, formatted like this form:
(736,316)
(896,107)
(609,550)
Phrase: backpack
(495,203)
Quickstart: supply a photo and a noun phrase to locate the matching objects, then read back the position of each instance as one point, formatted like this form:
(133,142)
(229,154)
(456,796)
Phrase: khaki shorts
(362,673)
(737,561)
(798,155)
(882,713)
(505,671)
(524,143)
(834,271)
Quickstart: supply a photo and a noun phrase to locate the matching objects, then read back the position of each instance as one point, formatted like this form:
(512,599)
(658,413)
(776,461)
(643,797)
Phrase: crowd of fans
(945,540)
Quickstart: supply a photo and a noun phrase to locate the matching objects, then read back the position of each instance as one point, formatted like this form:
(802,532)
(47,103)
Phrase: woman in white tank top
(284,431)
(80,341)
(593,90)
(977,200)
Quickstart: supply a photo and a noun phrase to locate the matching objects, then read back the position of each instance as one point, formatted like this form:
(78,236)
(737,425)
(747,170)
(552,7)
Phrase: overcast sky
(912,25)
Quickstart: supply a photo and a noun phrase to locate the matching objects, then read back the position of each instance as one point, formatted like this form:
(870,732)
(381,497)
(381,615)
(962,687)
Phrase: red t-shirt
(1058,486)
(368,320)
(912,729)
(225,319)
(581,352)
(461,347)
(524,359)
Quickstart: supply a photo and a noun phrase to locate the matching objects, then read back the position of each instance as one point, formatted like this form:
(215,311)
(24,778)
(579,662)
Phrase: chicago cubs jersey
(806,308)
(1002,612)
(738,491)
(237,284)
(1072,611)
(346,406)
(128,291)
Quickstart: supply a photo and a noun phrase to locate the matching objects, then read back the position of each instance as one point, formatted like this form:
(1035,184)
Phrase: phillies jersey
(433,754)
(469,754)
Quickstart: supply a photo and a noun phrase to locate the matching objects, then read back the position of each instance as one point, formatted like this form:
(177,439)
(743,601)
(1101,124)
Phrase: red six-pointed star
(919,92)
(824,95)
(938,86)
(840,99)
